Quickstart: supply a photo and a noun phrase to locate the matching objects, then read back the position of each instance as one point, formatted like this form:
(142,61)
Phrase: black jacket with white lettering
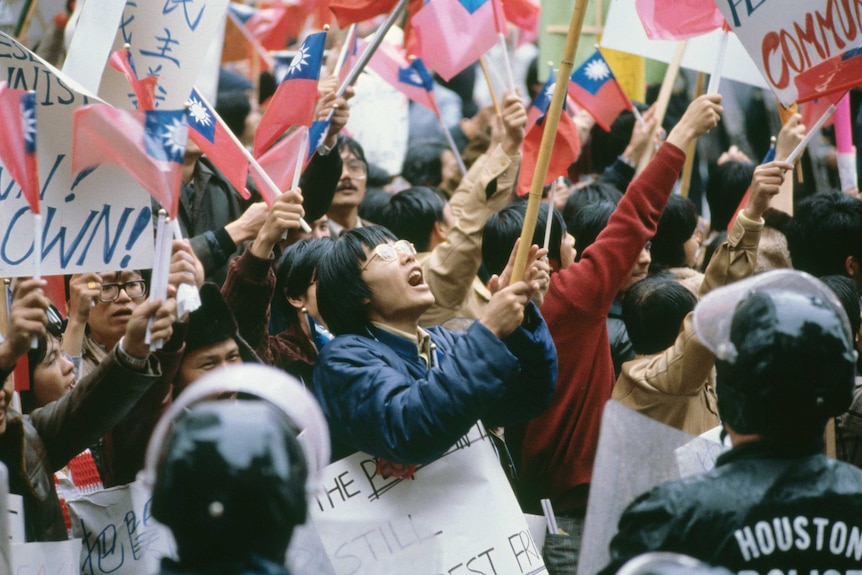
(759,509)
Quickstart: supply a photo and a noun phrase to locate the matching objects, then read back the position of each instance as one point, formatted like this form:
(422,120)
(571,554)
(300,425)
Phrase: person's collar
(769,449)
(406,344)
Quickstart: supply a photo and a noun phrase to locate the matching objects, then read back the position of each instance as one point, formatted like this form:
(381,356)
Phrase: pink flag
(595,88)
(349,12)
(524,14)
(145,90)
(18,141)
(279,163)
(149,145)
(411,79)
(293,101)
(453,34)
(678,19)
(214,141)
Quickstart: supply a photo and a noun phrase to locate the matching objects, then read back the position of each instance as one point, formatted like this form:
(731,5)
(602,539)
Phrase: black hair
(825,229)
(36,355)
(504,227)
(848,294)
(585,195)
(342,295)
(423,164)
(653,311)
(605,147)
(234,107)
(589,222)
(677,224)
(411,215)
(725,189)
(346,143)
(377,176)
(293,276)
(372,203)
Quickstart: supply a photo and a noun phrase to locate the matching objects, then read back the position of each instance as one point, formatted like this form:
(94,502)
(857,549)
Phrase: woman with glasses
(404,394)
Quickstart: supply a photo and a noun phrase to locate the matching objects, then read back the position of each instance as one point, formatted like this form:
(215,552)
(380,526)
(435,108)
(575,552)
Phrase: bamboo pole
(490,83)
(23,25)
(688,167)
(552,120)
(664,98)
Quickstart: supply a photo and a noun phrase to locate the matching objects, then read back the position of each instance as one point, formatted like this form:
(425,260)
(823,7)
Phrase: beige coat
(677,386)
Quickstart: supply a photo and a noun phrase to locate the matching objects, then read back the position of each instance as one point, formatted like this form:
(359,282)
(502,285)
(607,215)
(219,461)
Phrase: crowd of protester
(399,314)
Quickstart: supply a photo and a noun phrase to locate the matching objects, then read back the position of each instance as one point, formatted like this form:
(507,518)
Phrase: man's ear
(853,268)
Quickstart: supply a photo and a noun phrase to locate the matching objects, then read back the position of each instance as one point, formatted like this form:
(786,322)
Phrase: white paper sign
(120,536)
(457,516)
(99,222)
(623,31)
(169,39)
(787,38)
(48,558)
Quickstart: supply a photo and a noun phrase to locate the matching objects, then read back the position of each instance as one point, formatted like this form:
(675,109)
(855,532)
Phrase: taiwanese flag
(567,143)
(149,145)
(279,162)
(678,19)
(351,54)
(830,77)
(595,88)
(349,12)
(212,138)
(293,101)
(453,34)
(18,141)
(145,90)
(271,27)
(411,79)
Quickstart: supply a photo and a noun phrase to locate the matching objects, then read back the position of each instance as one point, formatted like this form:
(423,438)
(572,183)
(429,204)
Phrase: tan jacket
(677,386)
(451,267)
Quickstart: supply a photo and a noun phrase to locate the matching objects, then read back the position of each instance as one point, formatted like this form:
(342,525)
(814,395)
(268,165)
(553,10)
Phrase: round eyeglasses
(135,289)
(390,252)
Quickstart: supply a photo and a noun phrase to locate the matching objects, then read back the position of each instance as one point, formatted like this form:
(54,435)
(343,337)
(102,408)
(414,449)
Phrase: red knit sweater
(559,446)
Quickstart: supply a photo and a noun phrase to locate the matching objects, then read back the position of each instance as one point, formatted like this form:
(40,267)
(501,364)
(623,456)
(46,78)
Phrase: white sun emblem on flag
(549,93)
(300,60)
(597,70)
(28,119)
(199,113)
(174,138)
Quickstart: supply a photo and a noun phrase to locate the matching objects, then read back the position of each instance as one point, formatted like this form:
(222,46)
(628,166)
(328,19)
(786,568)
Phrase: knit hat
(213,323)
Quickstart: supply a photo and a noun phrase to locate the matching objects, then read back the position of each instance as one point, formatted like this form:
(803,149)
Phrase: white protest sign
(697,456)
(168,39)
(92,40)
(15,530)
(95,222)
(787,38)
(458,515)
(5,543)
(120,536)
(623,31)
(54,558)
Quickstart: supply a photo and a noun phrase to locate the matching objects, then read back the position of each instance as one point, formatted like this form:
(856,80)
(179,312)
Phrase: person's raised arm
(28,318)
(701,116)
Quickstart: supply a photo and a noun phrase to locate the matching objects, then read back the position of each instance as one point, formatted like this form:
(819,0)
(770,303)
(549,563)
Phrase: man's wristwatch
(129,360)
(323,150)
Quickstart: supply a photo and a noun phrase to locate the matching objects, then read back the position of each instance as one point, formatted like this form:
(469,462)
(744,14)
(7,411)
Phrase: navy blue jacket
(379,397)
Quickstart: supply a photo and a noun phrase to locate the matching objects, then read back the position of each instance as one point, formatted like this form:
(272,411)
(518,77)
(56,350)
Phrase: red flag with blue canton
(145,90)
(279,162)
(293,101)
(271,26)
(595,88)
(18,141)
(678,19)
(149,145)
(453,34)
(349,12)
(214,141)
(411,79)
(567,142)
(831,77)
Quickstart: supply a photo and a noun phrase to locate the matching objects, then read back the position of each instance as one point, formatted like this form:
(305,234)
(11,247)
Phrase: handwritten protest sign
(787,38)
(623,31)
(55,557)
(119,533)
(95,222)
(698,456)
(457,516)
(168,40)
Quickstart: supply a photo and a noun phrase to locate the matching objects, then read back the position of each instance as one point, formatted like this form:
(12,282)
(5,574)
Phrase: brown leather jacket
(35,446)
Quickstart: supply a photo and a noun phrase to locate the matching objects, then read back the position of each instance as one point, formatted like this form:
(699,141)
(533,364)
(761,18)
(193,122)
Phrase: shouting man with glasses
(405,394)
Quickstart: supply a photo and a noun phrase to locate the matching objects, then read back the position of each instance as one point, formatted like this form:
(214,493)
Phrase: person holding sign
(33,447)
(405,394)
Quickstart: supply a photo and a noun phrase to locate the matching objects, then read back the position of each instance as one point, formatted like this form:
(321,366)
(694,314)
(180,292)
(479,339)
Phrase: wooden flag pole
(490,83)
(688,167)
(552,120)
(664,98)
